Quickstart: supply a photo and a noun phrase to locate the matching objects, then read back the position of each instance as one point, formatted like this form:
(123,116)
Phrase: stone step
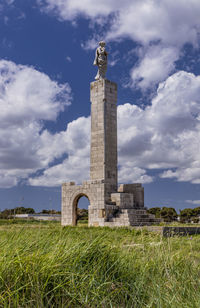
(129,216)
(125,224)
(132,211)
(136,222)
(132,217)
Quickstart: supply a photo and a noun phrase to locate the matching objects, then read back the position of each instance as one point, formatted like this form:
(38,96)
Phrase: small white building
(48,217)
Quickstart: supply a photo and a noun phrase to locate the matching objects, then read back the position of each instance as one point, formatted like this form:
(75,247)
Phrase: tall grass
(50,266)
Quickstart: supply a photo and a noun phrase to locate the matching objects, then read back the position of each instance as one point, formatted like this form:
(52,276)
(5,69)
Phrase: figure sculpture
(100,60)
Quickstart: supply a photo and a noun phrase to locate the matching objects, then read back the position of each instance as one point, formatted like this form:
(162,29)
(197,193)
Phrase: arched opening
(80,208)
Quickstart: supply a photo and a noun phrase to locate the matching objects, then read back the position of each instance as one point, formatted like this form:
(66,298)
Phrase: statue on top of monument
(100,60)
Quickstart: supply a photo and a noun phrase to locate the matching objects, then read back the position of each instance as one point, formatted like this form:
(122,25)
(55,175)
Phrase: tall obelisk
(103,151)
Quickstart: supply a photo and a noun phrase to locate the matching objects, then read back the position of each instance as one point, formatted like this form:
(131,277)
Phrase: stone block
(127,200)
(129,188)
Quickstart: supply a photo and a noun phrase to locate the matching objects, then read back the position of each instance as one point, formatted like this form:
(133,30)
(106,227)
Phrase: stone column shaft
(103,155)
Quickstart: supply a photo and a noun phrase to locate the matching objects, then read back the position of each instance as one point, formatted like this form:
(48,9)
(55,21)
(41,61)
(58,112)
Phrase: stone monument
(110,205)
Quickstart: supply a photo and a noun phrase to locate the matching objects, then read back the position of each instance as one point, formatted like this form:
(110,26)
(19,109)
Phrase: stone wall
(94,191)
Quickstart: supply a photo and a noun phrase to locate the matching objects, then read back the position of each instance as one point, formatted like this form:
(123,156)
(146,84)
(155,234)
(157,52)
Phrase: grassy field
(45,265)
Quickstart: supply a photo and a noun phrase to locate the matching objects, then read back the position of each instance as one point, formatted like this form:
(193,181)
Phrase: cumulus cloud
(75,142)
(74,168)
(27,98)
(164,135)
(155,65)
(165,25)
(129,173)
(71,9)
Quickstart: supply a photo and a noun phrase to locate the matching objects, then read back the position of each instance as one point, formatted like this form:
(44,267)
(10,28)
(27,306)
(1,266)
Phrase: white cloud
(129,173)
(68,58)
(71,9)
(114,58)
(9,2)
(75,141)
(189,174)
(27,98)
(155,65)
(165,135)
(167,24)
(72,169)
(196,202)
(91,43)
(172,22)
(6,180)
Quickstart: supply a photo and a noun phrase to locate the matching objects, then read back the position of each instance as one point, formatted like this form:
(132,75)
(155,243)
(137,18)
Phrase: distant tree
(23,210)
(82,214)
(186,215)
(44,212)
(168,214)
(196,211)
(5,214)
(195,220)
(8,213)
(50,212)
(155,211)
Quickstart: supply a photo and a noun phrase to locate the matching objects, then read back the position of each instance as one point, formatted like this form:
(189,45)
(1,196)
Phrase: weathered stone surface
(103,157)
(109,206)
(94,192)
(180,231)
(123,200)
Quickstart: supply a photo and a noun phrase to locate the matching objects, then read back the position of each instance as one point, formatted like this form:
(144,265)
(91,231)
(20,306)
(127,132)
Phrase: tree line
(82,214)
(8,213)
(169,214)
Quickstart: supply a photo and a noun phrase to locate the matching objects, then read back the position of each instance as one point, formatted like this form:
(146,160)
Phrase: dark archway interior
(82,210)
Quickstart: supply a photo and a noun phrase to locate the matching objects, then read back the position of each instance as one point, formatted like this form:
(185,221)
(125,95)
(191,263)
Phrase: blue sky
(46,55)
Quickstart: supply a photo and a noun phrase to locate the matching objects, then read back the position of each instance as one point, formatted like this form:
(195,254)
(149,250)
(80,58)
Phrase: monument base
(122,208)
